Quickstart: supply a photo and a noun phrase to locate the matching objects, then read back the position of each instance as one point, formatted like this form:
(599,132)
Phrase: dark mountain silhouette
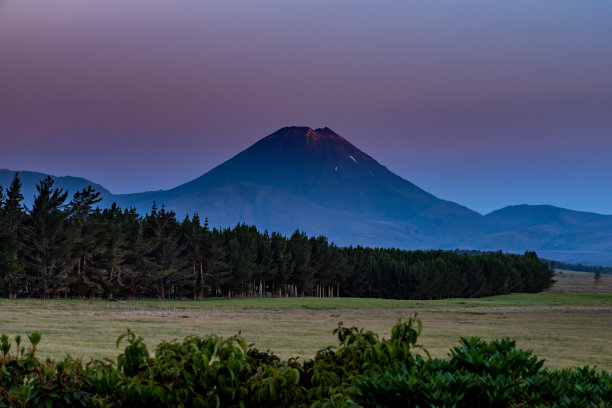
(318,182)
(30,179)
(556,233)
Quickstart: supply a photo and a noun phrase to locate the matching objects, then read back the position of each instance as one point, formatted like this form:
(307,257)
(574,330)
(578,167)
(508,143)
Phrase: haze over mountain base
(318,182)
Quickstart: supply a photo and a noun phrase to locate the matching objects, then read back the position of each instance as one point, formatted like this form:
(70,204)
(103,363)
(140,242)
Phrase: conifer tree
(11,235)
(262,274)
(281,265)
(6,260)
(303,272)
(112,250)
(192,239)
(242,256)
(138,269)
(162,229)
(86,242)
(13,208)
(217,269)
(48,241)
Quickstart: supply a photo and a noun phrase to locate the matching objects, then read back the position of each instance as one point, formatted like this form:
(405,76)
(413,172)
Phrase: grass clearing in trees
(566,329)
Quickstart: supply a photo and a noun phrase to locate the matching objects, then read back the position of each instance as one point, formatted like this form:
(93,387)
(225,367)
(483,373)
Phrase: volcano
(318,182)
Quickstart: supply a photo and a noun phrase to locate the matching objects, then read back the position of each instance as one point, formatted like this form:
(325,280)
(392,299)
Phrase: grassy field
(569,325)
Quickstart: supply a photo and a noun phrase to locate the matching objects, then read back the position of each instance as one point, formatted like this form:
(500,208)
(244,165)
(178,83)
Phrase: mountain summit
(318,165)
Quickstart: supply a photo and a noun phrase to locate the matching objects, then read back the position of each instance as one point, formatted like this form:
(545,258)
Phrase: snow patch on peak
(353,159)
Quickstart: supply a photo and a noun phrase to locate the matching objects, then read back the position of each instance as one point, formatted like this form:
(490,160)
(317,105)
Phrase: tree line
(566,266)
(73,249)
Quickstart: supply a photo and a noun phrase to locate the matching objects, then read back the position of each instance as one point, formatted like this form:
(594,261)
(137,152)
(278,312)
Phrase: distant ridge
(317,181)
(30,179)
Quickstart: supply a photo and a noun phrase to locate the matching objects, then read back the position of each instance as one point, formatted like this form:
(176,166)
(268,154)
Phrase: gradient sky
(486,103)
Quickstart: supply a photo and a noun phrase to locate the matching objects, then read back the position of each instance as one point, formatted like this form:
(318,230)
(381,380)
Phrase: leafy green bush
(363,370)
(485,374)
(27,382)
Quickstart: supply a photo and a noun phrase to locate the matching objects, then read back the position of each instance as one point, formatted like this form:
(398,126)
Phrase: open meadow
(570,325)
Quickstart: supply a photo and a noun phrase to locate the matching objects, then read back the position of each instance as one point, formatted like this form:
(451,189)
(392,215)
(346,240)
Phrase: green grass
(518,300)
(567,329)
(536,299)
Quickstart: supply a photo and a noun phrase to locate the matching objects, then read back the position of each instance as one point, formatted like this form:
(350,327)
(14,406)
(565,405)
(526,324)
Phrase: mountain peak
(319,166)
(304,133)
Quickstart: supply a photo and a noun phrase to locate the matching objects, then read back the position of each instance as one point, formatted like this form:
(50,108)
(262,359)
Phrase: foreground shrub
(363,370)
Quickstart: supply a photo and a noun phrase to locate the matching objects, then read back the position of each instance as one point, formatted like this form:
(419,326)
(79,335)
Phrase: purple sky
(486,103)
